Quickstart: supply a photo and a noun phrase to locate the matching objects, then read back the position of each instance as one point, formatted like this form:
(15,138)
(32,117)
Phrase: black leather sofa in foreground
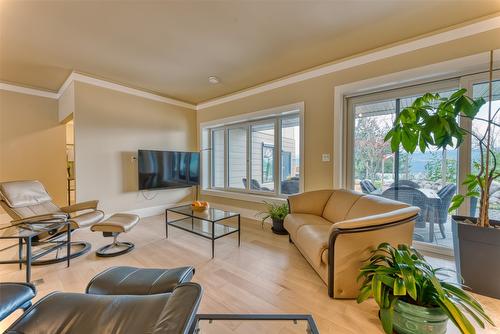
(119,300)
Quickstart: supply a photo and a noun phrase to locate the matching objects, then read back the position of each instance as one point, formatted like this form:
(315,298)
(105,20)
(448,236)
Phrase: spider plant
(402,274)
(275,211)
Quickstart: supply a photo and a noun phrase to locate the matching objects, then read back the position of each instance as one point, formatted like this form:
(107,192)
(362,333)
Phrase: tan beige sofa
(336,229)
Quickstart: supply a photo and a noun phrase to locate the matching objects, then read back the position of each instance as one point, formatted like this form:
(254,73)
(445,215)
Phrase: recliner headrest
(19,194)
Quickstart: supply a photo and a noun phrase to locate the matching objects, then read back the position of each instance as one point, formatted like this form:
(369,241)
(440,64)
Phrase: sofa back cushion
(311,202)
(339,204)
(369,205)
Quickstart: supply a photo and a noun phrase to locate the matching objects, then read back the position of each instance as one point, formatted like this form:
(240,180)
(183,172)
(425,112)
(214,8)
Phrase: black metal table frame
(312,328)
(29,256)
(213,222)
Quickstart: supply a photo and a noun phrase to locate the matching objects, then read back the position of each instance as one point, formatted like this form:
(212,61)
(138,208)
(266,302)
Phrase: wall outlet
(325,157)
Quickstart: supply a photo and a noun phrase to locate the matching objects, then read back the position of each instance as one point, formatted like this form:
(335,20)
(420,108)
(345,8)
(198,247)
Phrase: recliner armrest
(399,215)
(45,218)
(88,205)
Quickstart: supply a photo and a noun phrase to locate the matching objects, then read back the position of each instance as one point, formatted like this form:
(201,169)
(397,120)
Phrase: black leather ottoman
(14,296)
(138,281)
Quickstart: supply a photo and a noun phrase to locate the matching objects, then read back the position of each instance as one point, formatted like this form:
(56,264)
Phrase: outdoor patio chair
(446,194)
(367,186)
(413,197)
(254,184)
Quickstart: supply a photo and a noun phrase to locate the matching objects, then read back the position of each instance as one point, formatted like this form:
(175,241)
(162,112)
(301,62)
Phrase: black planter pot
(278,227)
(477,255)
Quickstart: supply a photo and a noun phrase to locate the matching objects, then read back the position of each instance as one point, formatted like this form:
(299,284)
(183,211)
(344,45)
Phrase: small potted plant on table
(411,296)
(277,212)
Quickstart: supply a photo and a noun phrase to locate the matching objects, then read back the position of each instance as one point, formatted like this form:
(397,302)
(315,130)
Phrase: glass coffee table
(211,223)
(254,323)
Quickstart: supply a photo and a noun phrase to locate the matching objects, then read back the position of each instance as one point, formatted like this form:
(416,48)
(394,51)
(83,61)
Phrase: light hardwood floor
(265,275)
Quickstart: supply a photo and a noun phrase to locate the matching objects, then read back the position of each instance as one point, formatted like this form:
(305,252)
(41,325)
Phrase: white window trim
(247,194)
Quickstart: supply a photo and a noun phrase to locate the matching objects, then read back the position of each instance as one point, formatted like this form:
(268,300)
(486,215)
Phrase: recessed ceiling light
(213,80)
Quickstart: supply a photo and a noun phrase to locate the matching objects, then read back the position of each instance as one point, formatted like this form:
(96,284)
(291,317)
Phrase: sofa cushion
(369,205)
(339,204)
(313,240)
(312,202)
(295,221)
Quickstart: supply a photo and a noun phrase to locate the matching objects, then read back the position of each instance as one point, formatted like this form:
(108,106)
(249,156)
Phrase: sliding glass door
(426,180)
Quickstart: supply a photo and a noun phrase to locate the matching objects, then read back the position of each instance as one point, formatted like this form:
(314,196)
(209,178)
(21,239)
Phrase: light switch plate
(325,157)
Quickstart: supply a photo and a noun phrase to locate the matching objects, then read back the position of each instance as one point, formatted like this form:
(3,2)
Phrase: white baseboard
(160,209)
(247,213)
(153,210)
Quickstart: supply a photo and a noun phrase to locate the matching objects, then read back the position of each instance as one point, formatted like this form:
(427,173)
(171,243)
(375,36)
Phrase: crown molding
(405,47)
(75,76)
(29,91)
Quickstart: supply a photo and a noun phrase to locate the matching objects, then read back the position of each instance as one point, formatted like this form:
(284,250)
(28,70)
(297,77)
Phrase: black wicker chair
(367,186)
(446,194)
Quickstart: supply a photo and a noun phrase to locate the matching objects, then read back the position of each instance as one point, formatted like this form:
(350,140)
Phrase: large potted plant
(434,121)
(277,212)
(413,299)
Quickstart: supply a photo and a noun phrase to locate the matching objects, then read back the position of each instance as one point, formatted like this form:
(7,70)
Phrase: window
(218,165)
(290,155)
(244,156)
(237,157)
(263,138)
(426,180)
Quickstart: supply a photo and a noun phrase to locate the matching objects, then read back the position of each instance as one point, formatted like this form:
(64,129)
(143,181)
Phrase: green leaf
(395,140)
(467,299)
(399,287)
(377,289)
(456,316)
(364,294)
(409,281)
(387,316)
(456,202)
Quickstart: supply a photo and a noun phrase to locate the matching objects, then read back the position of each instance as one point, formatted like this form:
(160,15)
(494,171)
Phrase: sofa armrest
(45,218)
(399,215)
(88,205)
(311,202)
(351,241)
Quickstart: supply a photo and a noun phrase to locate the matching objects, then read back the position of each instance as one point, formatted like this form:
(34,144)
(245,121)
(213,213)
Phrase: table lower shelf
(203,228)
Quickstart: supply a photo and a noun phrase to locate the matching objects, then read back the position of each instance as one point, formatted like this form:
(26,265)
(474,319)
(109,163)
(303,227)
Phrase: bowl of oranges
(199,205)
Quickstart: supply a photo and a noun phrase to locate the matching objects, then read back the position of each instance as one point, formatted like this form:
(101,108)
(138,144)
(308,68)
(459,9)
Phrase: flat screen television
(168,169)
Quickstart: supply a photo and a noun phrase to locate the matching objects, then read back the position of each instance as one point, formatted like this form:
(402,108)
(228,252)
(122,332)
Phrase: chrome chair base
(78,248)
(115,249)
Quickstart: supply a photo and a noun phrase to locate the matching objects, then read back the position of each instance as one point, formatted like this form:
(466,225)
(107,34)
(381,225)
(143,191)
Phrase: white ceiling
(170,48)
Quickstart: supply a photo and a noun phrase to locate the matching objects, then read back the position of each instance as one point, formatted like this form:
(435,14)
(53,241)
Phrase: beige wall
(109,129)
(32,142)
(318,97)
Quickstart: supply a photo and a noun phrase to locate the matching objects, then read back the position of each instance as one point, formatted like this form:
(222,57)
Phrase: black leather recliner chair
(124,311)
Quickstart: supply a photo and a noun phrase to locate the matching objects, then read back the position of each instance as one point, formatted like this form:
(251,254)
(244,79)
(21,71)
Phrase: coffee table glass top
(303,325)
(210,214)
